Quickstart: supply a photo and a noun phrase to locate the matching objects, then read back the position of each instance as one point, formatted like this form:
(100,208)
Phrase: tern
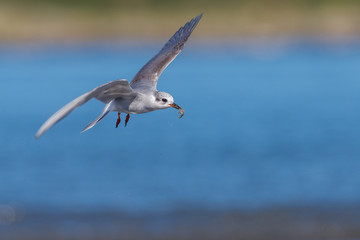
(138,96)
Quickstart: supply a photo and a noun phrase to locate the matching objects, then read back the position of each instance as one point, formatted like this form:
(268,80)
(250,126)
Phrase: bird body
(138,96)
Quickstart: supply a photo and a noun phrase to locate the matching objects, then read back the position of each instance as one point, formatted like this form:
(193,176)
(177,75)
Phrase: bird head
(165,100)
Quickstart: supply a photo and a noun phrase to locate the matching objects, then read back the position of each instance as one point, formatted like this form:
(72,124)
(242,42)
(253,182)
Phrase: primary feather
(117,93)
(104,93)
(149,74)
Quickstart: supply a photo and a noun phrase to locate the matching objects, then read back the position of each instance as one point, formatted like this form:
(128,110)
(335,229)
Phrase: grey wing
(149,74)
(104,93)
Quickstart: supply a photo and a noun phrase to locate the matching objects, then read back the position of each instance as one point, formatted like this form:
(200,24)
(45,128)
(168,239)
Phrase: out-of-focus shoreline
(271,223)
(44,25)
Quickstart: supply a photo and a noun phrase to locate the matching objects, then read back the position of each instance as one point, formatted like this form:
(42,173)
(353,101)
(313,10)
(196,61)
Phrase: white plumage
(141,95)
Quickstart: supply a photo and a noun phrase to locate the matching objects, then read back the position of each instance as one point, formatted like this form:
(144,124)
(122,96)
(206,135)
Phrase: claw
(118,120)
(127,119)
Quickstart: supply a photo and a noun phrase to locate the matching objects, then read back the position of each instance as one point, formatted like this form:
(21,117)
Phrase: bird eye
(164,100)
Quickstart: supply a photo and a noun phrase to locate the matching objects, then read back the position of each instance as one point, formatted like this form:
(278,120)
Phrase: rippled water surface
(262,127)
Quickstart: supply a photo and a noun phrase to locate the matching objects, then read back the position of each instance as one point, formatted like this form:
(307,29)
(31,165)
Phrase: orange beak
(181,111)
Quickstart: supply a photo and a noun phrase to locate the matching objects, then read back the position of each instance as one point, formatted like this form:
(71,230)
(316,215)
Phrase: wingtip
(84,130)
(38,135)
(196,20)
(198,17)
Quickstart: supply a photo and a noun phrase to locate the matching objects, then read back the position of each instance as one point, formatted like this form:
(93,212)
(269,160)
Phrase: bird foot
(127,119)
(118,120)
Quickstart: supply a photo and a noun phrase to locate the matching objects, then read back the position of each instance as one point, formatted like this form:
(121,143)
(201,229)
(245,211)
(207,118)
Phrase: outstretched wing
(149,74)
(104,93)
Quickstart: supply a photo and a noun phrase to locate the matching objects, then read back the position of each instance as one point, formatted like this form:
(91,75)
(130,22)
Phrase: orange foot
(118,120)
(127,119)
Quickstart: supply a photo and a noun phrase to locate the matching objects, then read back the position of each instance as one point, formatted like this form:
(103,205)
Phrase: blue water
(263,126)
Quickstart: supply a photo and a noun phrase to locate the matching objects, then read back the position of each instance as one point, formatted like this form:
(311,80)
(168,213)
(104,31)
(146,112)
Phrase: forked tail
(107,109)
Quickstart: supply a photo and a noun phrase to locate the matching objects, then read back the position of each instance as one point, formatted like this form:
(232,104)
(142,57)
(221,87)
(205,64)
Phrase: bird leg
(118,120)
(127,119)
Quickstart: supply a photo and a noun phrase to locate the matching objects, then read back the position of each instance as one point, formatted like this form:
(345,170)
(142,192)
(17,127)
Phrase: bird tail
(107,109)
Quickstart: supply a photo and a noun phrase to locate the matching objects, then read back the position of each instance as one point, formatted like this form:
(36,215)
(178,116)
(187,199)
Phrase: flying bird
(138,96)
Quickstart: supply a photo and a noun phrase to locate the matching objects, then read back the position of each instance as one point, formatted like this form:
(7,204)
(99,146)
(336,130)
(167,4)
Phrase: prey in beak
(181,111)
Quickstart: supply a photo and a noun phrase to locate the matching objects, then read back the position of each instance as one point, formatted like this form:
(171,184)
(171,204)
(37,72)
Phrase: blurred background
(268,147)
